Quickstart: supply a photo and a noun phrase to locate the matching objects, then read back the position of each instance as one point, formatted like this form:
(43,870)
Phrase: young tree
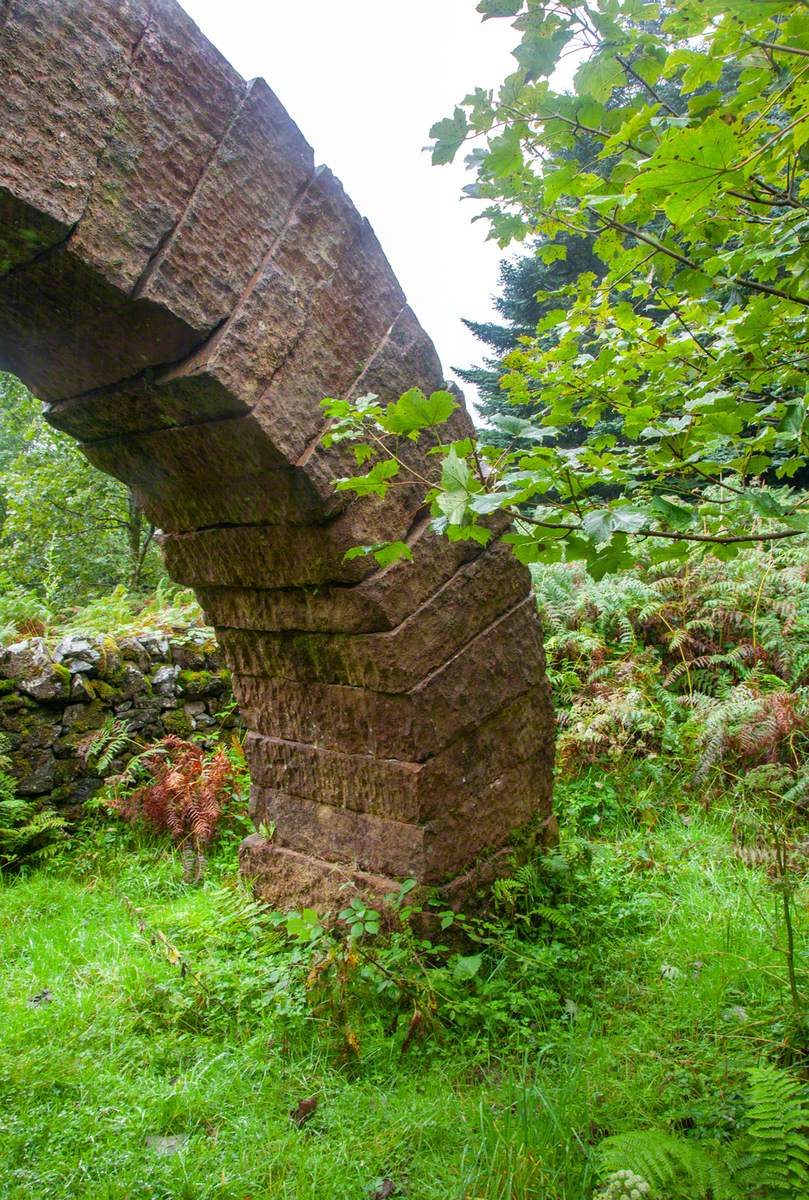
(694,340)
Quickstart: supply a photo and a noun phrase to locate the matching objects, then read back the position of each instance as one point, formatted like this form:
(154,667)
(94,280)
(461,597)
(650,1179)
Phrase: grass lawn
(136,1077)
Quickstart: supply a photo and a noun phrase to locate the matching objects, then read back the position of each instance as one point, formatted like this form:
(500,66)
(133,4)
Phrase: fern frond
(668,1163)
(777,1141)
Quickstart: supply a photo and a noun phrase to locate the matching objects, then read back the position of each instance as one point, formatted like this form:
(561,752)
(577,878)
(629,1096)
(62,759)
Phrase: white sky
(365,80)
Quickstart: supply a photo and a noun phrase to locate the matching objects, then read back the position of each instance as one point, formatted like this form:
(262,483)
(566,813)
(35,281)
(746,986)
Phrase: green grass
(649,1014)
(88,1078)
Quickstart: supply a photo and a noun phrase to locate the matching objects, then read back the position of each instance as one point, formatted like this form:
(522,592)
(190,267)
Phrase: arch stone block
(181,285)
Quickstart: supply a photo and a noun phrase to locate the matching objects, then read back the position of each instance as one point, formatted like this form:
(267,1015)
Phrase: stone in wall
(53,696)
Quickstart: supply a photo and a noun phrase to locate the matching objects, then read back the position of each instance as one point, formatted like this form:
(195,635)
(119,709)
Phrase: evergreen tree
(520,281)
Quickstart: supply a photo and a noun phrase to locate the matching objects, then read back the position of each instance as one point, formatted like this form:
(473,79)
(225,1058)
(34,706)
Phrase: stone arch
(181,285)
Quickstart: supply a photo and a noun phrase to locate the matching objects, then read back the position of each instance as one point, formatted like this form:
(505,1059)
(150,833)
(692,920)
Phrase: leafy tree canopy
(691,186)
(67,532)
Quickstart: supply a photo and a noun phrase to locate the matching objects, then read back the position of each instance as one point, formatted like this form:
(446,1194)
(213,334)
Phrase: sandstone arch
(181,285)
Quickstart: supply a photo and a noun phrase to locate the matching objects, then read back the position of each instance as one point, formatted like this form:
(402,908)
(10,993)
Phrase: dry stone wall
(181,284)
(54,697)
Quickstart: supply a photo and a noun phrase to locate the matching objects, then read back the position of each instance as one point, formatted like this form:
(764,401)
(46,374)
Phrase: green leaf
(392,552)
(487,502)
(357,552)
(599,525)
(505,154)
(538,53)
(375,483)
(450,135)
(674,516)
(453,505)
(691,165)
(628,520)
(467,967)
(455,472)
(764,504)
(598,77)
(414,411)
(499,8)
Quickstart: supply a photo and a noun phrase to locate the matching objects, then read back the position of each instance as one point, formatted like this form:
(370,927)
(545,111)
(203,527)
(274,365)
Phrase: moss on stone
(202,683)
(176,721)
(91,717)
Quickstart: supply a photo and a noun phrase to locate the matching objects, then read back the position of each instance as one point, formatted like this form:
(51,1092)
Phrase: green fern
(777,1146)
(673,1166)
(25,834)
(104,745)
(770,1161)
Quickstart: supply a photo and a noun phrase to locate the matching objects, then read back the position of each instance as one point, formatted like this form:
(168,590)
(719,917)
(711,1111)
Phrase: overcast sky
(365,80)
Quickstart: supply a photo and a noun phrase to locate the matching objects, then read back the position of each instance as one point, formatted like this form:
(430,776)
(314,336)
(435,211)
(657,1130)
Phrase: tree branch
(639,79)
(711,538)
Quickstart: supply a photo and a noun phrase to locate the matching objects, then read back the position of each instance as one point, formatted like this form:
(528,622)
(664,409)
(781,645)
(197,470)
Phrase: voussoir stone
(410,791)
(394,661)
(382,600)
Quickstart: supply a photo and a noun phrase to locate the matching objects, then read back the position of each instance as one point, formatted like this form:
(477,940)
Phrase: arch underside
(181,285)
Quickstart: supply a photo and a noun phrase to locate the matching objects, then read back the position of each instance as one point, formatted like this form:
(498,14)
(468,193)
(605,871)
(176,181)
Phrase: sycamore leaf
(599,525)
(466,533)
(764,504)
(517,427)
(487,502)
(598,77)
(392,552)
(450,135)
(538,53)
(455,472)
(453,505)
(499,8)
(375,483)
(414,411)
(675,516)
(505,154)
(691,166)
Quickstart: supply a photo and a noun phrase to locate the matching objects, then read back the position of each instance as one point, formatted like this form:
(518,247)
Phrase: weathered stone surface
(282,556)
(386,599)
(57,119)
(376,844)
(183,288)
(287,879)
(237,212)
(411,726)
(65,330)
(52,701)
(78,654)
(413,792)
(399,660)
(222,472)
(180,99)
(24,232)
(430,852)
(348,322)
